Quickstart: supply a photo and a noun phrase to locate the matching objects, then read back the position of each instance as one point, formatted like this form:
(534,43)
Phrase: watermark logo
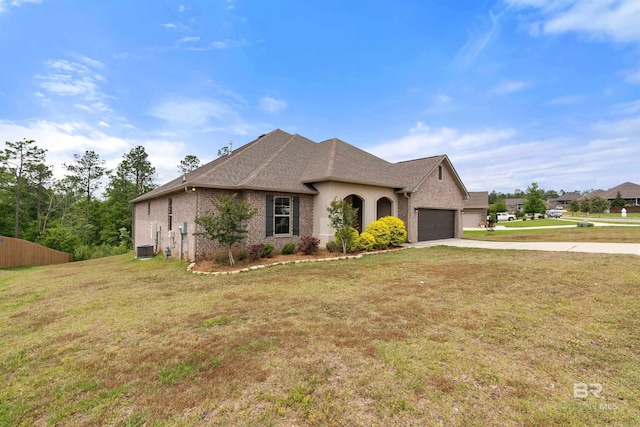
(582,390)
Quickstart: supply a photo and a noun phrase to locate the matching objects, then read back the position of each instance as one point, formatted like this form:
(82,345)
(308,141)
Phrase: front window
(282,215)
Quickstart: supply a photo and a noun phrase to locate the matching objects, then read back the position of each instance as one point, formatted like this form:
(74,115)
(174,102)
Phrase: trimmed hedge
(380,232)
(366,242)
(396,229)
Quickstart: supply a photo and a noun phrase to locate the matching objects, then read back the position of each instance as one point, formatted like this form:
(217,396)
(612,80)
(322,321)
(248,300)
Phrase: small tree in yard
(599,204)
(342,217)
(534,200)
(574,206)
(586,206)
(618,201)
(225,226)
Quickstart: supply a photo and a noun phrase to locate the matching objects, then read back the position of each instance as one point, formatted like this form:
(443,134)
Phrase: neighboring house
(476,209)
(629,191)
(514,205)
(291,180)
(563,201)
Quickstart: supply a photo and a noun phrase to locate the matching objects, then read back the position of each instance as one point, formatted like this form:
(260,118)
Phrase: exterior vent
(144,251)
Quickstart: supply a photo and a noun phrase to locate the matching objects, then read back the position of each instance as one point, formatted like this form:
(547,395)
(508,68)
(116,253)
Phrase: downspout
(408,211)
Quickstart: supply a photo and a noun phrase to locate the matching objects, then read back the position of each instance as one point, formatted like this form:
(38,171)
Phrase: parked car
(505,216)
(554,213)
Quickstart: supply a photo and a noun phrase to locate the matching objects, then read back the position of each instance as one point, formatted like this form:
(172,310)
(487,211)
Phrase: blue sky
(513,91)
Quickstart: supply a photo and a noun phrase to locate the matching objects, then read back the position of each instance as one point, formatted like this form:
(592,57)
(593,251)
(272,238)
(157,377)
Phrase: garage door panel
(435,224)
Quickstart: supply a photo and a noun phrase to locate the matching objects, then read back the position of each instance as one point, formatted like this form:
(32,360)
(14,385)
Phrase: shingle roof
(477,199)
(628,190)
(279,161)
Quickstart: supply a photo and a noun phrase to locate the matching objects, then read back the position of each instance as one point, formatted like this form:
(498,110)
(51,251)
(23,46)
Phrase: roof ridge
(332,156)
(267,162)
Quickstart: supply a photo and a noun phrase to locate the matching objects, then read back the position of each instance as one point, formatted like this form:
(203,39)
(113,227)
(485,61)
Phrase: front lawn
(543,222)
(431,336)
(613,234)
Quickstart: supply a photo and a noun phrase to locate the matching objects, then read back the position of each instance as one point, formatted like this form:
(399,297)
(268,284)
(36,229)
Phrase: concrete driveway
(603,248)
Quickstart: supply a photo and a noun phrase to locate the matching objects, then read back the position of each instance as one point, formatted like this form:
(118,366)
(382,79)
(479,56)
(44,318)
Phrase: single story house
(476,209)
(291,180)
(629,191)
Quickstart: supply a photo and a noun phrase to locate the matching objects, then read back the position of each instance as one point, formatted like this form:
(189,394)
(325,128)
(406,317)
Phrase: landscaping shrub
(367,242)
(242,254)
(220,256)
(332,246)
(397,230)
(352,241)
(581,224)
(288,248)
(380,232)
(266,251)
(256,251)
(308,245)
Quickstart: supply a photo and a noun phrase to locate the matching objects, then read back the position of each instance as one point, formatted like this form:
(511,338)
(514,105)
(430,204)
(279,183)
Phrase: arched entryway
(357,203)
(384,207)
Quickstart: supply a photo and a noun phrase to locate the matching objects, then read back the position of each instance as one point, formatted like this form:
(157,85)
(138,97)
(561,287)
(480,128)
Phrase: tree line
(67,214)
(535,201)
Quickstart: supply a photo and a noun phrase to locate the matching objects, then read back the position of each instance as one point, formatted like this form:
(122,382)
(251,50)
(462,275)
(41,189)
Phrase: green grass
(546,222)
(432,336)
(613,234)
(630,215)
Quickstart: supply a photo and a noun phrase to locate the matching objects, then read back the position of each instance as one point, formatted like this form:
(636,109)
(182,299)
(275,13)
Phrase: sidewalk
(603,248)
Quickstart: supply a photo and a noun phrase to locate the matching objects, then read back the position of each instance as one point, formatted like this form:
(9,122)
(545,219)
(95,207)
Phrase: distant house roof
(477,199)
(279,161)
(628,190)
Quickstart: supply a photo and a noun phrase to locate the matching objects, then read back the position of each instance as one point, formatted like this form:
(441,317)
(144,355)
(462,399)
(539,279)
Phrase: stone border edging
(296,261)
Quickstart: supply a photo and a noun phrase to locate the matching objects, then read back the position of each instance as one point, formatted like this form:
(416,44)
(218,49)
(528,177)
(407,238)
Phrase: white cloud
(181,8)
(103,124)
(615,20)
(65,78)
(168,25)
(271,105)
(477,41)
(63,140)
(506,87)
(191,116)
(501,159)
(566,100)
(422,141)
(192,113)
(15,3)
(188,39)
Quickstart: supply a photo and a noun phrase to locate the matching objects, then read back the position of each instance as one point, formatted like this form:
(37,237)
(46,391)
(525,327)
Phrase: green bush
(352,239)
(242,254)
(288,248)
(581,224)
(332,246)
(380,232)
(397,230)
(367,242)
(267,251)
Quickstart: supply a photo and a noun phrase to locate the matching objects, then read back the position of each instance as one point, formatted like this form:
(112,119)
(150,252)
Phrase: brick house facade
(291,180)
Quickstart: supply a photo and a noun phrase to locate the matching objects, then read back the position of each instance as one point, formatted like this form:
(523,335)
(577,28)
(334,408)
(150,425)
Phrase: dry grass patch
(420,336)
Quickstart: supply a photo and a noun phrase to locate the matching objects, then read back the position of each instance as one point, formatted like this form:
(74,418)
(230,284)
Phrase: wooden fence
(630,209)
(18,252)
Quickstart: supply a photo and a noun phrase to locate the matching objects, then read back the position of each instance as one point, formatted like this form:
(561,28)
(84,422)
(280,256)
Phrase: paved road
(604,248)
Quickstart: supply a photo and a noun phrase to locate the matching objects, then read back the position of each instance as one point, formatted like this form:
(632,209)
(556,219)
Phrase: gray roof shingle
(279,161)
